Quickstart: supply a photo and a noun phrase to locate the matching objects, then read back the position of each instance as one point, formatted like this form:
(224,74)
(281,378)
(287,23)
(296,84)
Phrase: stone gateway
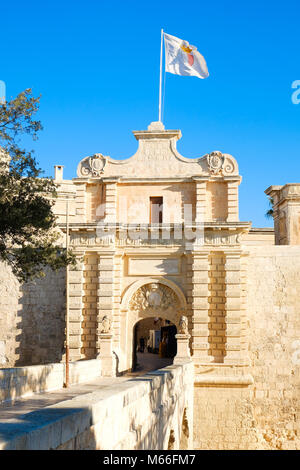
(158,235)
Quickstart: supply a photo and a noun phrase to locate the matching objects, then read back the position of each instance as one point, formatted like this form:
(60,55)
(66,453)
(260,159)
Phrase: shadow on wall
(147,421)
(59,428)
(40,322)
(25,381)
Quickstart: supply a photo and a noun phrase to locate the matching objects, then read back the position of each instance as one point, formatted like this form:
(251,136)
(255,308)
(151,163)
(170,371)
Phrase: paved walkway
(147,362)
(21,407)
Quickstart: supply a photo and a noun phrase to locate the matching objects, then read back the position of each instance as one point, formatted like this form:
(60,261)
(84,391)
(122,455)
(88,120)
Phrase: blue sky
(96,65)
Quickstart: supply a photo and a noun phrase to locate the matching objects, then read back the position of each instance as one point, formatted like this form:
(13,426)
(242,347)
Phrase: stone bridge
(151,411)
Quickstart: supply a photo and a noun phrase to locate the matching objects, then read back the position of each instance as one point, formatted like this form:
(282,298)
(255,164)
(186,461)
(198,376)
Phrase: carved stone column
(105,291)
(232,201)
(110,201)
(75,309)
(233,307)
(200,318)
(200,201)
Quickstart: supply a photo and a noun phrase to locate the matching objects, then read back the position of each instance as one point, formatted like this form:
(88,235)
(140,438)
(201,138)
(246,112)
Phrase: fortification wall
(31,319)
(266,414)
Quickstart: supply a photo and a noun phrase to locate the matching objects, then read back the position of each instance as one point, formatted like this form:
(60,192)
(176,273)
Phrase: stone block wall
(31,319)
(217,325)
(89,313)
(19,382)
(274,330)
(232,412)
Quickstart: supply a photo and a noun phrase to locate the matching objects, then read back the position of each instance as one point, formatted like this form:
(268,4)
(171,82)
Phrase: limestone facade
(158,235)
(190,251)
(285,201)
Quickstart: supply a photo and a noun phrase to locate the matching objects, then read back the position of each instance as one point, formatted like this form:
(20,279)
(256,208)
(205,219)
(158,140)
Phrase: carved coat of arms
(97,163)
(153,297)
(215,162)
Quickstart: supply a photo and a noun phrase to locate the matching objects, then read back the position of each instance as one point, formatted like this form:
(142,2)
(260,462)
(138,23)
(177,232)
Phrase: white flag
(183,59)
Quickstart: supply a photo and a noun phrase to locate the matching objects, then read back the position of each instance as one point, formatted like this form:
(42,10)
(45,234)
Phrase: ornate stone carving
(183,326)
(154,298)
(215,162)
(105,325)
(157,156)
(228,166)
(92,166)
(222,237)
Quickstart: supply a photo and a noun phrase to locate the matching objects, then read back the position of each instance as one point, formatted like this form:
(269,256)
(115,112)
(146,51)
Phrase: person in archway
(142,344)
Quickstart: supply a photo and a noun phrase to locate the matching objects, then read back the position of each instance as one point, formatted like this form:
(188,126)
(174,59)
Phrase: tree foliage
(270,211)
(28,237)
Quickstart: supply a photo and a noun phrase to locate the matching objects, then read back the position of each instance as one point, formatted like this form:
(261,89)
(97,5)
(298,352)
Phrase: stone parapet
(20,382)
(150,405)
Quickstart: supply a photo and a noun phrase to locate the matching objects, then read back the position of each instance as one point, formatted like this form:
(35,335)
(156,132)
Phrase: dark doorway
(169,333)
(154,344)
(156,210)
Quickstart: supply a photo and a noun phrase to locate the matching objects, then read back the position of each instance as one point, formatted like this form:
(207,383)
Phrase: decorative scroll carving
(220,164)
(155,299)
(157,156)
(183,326)
(221,237)
(105,325)
(228,167)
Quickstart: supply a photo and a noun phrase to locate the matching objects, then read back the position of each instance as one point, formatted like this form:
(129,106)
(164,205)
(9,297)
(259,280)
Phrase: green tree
(28,237)
(270,211)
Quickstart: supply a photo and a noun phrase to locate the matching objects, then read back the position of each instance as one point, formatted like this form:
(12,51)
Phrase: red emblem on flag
(188,50)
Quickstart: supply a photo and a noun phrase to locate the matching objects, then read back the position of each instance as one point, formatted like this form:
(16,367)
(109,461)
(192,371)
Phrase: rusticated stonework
(233,296)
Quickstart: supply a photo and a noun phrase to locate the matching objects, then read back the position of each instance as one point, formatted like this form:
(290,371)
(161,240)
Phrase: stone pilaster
(81,200)
(75,309)
(106,356)
(183,349)
(111,202)
(200,318)
(200,201)
(105,291)
(233,201)
(233,308)
(117,260)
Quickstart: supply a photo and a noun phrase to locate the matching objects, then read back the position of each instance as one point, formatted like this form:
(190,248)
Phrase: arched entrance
(150,298)
(154,344)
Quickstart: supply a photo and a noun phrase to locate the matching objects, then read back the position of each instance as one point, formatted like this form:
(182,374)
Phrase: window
(156,210)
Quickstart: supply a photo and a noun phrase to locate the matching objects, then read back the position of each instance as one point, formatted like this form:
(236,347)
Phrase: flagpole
(160,75)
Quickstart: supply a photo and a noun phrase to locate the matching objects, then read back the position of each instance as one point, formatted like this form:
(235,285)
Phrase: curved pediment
(157,157)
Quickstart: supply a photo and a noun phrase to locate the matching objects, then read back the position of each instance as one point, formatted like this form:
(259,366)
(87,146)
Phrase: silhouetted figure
(142,344)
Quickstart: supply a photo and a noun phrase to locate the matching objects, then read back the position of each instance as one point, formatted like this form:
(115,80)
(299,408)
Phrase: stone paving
(23,406)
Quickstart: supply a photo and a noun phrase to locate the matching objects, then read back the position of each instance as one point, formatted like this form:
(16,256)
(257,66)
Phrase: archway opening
(154,344)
